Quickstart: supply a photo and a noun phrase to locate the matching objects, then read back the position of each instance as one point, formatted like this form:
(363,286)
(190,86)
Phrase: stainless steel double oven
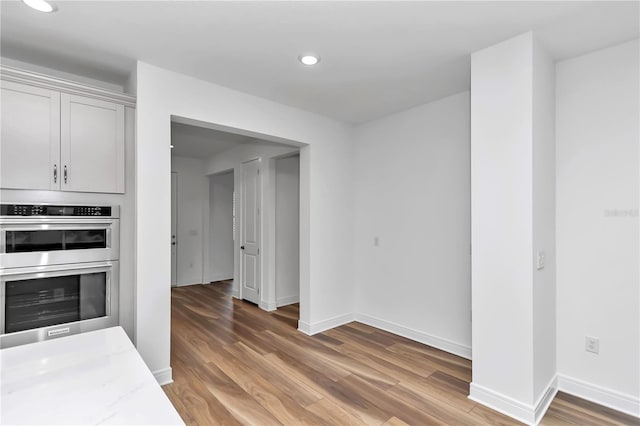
(59,270)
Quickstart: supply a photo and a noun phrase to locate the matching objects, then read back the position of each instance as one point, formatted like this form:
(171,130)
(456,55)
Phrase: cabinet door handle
(55,173)
(66,175)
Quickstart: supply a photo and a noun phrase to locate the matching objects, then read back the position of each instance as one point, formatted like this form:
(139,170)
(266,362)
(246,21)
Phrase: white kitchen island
(90,378)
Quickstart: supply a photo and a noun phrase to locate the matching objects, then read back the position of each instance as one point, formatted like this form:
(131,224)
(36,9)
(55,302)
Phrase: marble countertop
(90,378)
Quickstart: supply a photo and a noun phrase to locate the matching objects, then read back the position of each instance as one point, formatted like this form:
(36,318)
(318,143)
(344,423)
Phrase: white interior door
(250,241)
(174,230)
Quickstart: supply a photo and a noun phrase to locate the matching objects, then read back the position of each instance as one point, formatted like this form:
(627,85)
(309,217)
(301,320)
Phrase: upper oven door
(35,242)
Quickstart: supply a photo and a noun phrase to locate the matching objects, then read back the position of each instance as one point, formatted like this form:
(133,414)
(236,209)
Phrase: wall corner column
(512,220)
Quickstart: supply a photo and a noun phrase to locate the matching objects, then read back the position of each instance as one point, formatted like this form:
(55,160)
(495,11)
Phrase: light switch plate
(592,344)
(540,261)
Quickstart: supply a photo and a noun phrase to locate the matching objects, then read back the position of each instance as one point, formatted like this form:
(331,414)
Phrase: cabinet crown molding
(18,75)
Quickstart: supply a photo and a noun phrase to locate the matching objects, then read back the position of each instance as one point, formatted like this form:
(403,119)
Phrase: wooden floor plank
(300,392)
(234,363)
(487,416)
(234,398)
(394,421)
(387,403)
(360,345)
(405,351)
(333,413)
(445,412)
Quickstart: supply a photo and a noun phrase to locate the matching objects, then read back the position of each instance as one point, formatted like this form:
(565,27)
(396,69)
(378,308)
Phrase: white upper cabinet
(30,137)
(92,145)
(61,135)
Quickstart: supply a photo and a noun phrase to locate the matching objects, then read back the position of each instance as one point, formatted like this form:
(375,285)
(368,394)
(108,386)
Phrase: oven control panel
(53,210)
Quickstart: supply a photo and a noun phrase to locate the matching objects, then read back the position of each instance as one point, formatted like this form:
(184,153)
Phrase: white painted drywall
(412,193)
(597,219)
(233,157)
(287,235)
(326,295)
(544,221)
(513,218)
(501,219)
(220,239)
(193,199)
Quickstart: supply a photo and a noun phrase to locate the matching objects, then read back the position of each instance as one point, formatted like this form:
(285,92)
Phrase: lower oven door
(40,303)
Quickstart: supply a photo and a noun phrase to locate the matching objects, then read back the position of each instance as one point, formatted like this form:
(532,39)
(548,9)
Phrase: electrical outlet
(592,344)
(540,262)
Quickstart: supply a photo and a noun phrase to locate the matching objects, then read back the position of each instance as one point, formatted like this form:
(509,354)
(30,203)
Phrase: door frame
(269,213)
(174,216)
(268,232)
(206,240)
(304,150)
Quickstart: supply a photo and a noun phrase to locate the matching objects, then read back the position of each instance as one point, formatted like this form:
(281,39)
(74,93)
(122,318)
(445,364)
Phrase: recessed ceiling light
(41,5)
(309,59)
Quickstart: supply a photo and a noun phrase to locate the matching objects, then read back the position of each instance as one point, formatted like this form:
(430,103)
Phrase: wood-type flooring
(234,363)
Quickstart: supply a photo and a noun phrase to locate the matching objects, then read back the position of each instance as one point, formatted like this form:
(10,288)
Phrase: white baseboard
(545,400)
(627,404)
(163,377)
(419,336)
(267,306)
(502,403)
(321,326)
(215,278)
(528,414)
(187,284)
(287,301)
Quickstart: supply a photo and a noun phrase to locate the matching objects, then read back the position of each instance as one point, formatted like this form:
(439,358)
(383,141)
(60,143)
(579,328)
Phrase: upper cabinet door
(92,145)
(30,137)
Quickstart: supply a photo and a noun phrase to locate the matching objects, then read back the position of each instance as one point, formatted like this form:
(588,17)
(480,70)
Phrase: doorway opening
(174,229)
(287,225)
(237,217)
(219,261)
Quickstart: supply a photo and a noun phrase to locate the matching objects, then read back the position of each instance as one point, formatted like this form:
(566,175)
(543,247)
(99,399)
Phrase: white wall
(597,222)
(233,157)
(193,199)
(326,295)
(544,221)
(412,193)
(512,187)
(287,235)
(220,239)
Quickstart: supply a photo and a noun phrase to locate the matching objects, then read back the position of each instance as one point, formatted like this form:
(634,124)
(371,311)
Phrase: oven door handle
(71,268)
(8,225)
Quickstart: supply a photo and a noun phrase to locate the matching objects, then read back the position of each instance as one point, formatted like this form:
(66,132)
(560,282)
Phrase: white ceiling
(199,142)
(377,57)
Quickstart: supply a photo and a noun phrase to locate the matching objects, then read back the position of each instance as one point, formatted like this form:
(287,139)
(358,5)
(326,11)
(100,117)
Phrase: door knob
(241,247)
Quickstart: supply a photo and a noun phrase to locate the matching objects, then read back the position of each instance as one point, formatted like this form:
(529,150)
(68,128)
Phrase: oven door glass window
(48,240)
(43,302)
